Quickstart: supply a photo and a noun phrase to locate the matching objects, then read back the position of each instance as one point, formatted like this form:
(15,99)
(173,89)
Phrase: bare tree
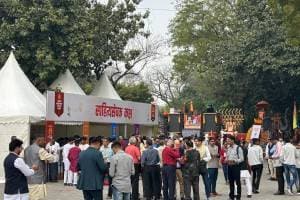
(165,85)
(140,54)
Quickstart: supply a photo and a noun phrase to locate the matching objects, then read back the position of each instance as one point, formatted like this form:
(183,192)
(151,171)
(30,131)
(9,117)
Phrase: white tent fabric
(20,105)
(67,84)
(105,89)
(18,97)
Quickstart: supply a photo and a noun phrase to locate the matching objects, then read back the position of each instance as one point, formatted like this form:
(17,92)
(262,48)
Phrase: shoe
(255,192)
(249,196)
(215,194)
(279,193)
(65,184)
(290,192)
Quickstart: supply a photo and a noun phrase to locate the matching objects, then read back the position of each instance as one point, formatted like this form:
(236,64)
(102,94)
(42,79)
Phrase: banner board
(255,131)
(49,130)
(80,108)
(192,122)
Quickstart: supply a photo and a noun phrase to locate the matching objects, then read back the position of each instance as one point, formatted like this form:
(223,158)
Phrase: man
(204,158)
(65,153)
(160,149)
(297,143)
(123,142)
(121,169)
(245,174)
(213,166)
(73,158)
(16,171)
(223,154)
(151,172)
(169,157)
(84,144)
(53,148)
(107,153)
(278,166)
(289,163)
(36,154)
(92,169)
(178,168)
(255,160)
(135,153)
(270,150)
(234,158)
(191,172)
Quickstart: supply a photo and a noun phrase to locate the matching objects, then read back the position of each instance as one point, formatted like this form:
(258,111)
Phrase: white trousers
(16,196)
(72,177)
(66,171)
(272,168)
(245,177)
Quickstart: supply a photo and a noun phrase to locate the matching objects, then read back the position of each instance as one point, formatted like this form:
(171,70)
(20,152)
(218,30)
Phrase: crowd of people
(160,163)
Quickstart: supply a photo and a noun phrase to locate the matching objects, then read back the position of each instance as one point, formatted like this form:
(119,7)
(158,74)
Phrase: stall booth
(101,116)
(21,106)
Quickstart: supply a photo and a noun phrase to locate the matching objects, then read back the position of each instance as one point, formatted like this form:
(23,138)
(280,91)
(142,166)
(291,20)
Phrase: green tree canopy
(251,60)
(50,36)
(135,92)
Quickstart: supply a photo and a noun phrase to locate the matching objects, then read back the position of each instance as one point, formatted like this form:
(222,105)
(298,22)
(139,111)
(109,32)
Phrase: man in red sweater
(135,153)
(169,157)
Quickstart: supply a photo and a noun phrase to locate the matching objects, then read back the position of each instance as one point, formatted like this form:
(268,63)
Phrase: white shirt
(54,150)
(255,155)
(298,158)
(66,150)
(83,147)
(20,164)
(289,154)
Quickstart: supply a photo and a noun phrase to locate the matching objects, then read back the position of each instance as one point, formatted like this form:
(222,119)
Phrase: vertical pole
(125,130)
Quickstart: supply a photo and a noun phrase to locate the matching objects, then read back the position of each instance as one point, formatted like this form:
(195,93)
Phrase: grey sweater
(214,152)
(121,168)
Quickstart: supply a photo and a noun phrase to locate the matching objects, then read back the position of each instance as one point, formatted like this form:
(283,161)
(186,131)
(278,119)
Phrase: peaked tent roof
(18,96)
(67,83)
(104,89)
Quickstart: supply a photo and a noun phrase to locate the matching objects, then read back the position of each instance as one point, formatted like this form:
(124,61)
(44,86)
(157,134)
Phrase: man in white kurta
(16,171)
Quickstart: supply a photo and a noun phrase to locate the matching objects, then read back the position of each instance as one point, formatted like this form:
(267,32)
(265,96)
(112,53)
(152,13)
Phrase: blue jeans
(225,171)
(206,185)
(212,179)
(288,170)
(117,195)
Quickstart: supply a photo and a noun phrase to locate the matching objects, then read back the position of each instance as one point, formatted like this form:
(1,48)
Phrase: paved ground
(56,191)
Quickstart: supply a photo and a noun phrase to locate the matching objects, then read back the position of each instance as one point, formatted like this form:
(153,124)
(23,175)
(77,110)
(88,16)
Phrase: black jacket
(191,166)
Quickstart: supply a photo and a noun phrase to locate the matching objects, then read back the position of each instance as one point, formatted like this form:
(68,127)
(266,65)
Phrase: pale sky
(161,12)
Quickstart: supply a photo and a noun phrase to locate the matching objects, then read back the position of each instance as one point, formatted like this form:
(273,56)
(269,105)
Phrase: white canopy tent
(104,89)
(20,105)
(67,84)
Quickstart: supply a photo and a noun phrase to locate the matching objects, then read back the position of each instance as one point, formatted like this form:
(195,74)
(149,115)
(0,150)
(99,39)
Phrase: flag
(295,119)
(191,107)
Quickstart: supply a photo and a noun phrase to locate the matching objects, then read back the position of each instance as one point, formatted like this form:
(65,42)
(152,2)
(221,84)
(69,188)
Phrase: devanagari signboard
(80,108)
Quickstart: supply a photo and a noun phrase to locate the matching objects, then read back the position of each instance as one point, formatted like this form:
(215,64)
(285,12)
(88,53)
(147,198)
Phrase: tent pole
(125,131)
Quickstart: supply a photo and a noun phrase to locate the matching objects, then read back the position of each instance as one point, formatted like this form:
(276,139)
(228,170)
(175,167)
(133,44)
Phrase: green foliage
(51,35)
(114,24)
(250,61)
(289,11)
(135,92)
